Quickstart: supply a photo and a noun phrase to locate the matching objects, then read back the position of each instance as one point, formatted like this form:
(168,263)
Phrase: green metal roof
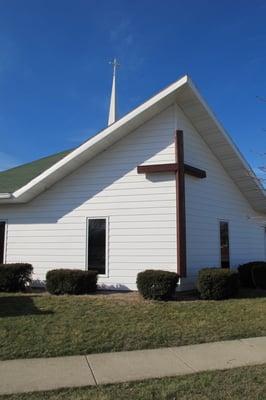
(14,178)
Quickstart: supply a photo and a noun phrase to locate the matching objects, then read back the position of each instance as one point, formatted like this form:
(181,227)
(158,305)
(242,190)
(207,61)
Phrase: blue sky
(55,79)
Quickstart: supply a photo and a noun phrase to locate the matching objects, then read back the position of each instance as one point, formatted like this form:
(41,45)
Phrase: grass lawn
(40,325)
(236,384)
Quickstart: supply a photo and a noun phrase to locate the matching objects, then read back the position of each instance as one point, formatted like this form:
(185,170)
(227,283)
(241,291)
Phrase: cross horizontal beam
(150,169)
(193,171)
(172,167)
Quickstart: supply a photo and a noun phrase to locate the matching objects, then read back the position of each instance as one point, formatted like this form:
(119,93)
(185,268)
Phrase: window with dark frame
(2,240)
(96,257)
(224,244)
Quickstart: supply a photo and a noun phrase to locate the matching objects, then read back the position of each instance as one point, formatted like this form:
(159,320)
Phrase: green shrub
(157,284)
(217,283)
(15,277)
(71,281)
(245,273)
(259,275)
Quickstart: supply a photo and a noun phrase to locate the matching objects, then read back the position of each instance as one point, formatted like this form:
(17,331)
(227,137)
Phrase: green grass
(246,383)
(43,325)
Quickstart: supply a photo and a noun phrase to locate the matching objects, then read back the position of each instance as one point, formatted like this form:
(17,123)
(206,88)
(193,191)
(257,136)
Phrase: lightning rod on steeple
(113,104)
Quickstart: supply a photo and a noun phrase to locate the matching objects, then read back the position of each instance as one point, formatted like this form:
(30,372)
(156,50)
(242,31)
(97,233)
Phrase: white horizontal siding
(213,199)
(50,231)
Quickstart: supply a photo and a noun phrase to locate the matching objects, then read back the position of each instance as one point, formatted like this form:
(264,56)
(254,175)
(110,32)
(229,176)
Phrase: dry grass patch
(42,325)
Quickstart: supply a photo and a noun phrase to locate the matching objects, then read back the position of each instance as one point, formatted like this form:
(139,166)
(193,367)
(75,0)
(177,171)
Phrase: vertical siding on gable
(50,231)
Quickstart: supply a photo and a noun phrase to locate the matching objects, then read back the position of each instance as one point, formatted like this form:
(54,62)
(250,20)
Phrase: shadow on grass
(189,295)
(17,306)
(245,293)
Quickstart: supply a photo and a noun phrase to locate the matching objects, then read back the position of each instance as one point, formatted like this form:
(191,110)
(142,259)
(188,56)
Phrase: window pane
(2,240)
(224,243)
(97,245)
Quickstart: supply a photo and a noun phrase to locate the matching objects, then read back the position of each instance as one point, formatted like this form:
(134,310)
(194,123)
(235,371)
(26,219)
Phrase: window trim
(106,275)
(5,239)
(229,242)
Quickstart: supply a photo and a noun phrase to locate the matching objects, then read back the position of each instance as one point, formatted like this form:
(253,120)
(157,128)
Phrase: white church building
(163,187)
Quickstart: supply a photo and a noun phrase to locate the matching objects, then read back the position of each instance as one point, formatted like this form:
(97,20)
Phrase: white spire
(113,109)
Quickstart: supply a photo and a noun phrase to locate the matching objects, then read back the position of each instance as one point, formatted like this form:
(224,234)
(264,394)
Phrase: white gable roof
(184,93)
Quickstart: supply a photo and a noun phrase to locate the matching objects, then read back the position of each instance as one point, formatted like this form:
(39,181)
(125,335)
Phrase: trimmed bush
(157,284)
(15,277)
(217,283)
(259,275)
(71,281)
(245,273)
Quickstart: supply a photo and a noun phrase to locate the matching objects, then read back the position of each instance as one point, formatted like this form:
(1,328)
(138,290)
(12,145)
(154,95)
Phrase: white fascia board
(102,137)
(5,196)
(116,131)
(228,139)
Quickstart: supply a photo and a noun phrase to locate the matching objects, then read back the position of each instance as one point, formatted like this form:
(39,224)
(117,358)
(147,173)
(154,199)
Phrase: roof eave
(242,175)
(4,196)
(247,182)
(225,134)
(98,143)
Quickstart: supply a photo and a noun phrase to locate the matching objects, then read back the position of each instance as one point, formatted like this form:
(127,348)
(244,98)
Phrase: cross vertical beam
(179,168)
(180,205)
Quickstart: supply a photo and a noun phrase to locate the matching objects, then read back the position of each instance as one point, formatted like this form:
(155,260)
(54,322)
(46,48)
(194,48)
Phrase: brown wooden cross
(180,169)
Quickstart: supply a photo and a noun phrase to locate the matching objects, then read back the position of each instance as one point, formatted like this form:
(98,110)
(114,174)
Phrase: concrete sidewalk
(17,376)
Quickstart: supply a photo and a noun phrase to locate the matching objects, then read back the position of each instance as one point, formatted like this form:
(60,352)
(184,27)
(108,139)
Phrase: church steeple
(113,105)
